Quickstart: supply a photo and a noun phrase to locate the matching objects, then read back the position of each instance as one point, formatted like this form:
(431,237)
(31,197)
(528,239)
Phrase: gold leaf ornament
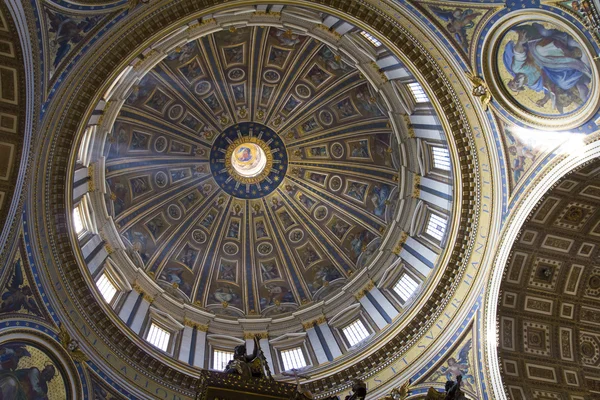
(71,345)
(480,89)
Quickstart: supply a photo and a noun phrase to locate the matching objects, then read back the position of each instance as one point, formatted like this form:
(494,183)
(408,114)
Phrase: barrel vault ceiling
(549,308)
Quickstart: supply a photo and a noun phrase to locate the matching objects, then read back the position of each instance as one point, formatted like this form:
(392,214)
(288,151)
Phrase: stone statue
(247,366)
(359,390)
(452,391)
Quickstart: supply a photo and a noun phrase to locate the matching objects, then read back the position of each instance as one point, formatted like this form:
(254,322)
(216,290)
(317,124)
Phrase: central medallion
(248,160)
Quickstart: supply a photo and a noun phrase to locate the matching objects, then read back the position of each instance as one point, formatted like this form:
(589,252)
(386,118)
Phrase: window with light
(221,358)
(406,287)
(106,287)
(441,158)
(436,226)
(158,337)
(355,332)
(293,359)
(418,92)
(374,41)
(77,221)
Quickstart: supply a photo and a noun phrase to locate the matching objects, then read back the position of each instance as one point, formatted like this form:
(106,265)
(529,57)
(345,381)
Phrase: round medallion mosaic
(248,160)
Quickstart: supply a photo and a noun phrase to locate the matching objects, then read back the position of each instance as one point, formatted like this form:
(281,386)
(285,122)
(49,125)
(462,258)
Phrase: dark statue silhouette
(248,366)
(452,391)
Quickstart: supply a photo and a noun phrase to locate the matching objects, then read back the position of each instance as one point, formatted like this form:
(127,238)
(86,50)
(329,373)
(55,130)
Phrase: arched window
(436,226)
(77,220)
(441,158)
(107,288)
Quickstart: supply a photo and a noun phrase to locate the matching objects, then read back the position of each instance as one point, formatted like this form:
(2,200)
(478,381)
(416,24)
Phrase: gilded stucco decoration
(481,90)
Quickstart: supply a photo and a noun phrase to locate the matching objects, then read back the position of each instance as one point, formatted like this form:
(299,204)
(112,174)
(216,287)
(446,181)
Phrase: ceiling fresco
(460,23)
(30,369)
(565,94)
(549,308)
(460,358)
(265,171)
(252,171)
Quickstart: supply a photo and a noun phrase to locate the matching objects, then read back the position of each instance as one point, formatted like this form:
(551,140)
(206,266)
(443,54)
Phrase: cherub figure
(458,21)
(459,367)
(68,31)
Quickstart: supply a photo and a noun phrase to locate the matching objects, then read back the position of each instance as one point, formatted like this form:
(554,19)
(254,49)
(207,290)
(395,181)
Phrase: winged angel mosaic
(458,22)
(18,295)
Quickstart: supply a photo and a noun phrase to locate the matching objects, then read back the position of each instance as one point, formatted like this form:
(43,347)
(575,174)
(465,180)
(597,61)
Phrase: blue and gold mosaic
(248,160)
